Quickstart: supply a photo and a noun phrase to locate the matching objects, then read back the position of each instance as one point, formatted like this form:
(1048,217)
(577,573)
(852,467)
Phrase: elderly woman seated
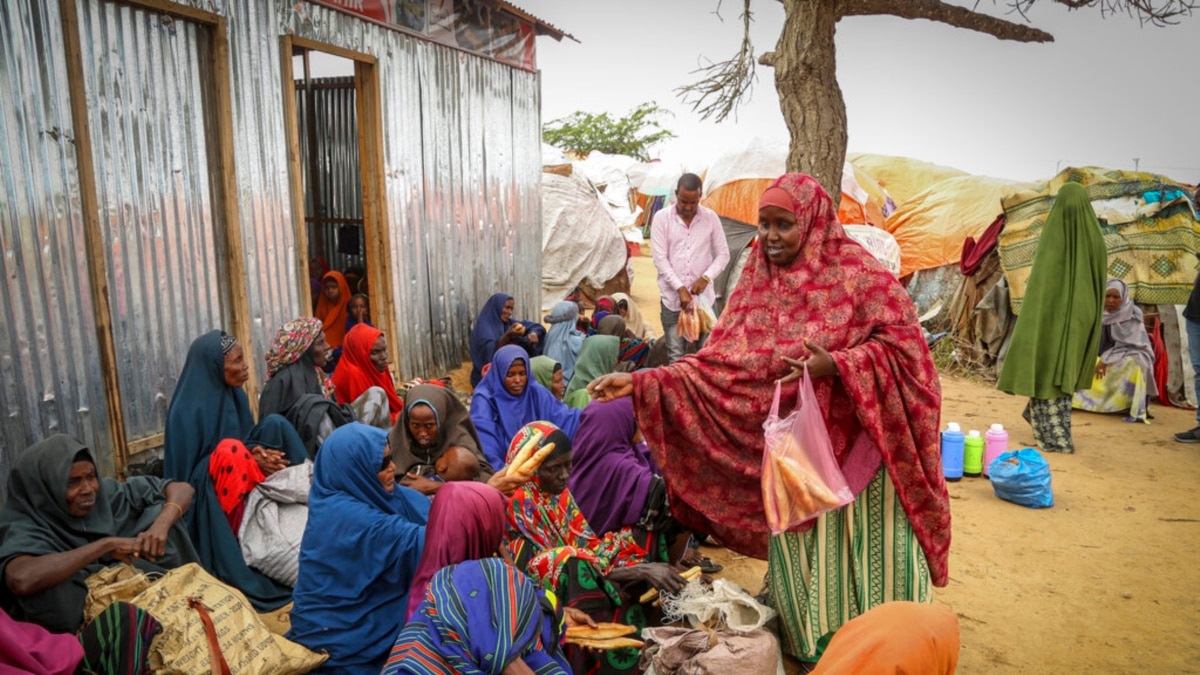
(298,388)
(62,522)
(599,575)
(1125,367)
(213,443)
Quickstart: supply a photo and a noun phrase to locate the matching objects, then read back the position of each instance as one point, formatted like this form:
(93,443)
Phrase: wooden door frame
(221,167)
(368,100)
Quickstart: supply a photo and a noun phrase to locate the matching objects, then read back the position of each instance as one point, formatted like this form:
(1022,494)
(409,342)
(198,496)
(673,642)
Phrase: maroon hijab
(702,416)
(466,522)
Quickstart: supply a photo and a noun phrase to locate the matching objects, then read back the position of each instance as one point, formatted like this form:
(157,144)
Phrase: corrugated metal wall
(463,197)
(462,170)
(50,379)
(146,89)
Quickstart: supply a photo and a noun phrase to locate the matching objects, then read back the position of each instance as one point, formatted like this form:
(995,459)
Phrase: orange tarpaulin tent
(735,181)
(932,226)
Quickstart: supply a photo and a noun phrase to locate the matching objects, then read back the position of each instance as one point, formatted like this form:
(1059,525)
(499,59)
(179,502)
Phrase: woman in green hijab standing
(1057,336)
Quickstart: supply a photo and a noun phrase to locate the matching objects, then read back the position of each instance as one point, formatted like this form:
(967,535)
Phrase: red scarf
(234,475)
(703,416)
(355,373)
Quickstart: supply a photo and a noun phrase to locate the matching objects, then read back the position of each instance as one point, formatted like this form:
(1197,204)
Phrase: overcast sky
(1106,91)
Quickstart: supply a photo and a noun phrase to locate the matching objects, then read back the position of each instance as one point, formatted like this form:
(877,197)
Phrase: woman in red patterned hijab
(809,292)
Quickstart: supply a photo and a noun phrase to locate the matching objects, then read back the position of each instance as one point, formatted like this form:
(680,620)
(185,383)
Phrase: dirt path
(1107,580)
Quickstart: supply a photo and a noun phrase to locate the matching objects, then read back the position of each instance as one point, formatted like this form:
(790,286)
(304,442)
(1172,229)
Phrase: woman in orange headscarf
(332,307)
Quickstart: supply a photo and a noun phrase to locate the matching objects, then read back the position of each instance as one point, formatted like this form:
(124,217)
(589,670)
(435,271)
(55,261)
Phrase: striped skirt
(852,559)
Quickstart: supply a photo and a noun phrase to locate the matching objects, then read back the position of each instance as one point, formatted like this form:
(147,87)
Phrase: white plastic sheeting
(610,175)
(273,524)
(581,242)
(879,243)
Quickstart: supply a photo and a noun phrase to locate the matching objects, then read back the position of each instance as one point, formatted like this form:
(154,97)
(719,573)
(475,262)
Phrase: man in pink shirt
(689,251)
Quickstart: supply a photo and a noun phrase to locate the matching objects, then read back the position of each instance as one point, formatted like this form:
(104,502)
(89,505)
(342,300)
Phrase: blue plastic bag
(1022,477)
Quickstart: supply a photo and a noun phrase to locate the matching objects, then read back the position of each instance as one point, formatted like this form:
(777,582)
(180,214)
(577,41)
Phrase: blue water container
(952,452)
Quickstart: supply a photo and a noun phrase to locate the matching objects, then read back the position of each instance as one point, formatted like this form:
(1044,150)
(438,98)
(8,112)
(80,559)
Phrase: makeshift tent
(581,243)
(609,173)
(653,184)
(1144,220)
(902,177)
(932,225)
(1149,222)
(735,181)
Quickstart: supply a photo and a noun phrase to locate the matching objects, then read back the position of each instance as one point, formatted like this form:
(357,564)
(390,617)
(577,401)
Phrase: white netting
(723,605)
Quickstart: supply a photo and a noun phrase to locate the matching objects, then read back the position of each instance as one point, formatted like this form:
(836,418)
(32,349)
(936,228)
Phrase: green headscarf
(1057,336)
(543,369)
(598,356)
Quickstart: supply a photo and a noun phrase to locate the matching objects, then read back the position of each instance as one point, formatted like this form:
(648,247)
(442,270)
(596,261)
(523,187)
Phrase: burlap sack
(247,644)
(118,583)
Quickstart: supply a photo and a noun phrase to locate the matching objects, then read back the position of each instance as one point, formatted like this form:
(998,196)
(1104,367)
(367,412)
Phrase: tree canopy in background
(805,64)
(633,135)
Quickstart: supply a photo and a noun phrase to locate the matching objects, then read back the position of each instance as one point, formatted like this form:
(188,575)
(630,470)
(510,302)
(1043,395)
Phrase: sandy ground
(1107,580)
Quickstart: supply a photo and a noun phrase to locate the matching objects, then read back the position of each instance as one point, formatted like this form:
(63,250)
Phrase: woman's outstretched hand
(820,364)
(611,387)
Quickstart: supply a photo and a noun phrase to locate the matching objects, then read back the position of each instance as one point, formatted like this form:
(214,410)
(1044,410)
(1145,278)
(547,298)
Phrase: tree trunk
(805,64)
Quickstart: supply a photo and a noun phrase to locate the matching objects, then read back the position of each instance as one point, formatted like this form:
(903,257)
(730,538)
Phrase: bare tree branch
(725,83)
(1153,12)
(953,15)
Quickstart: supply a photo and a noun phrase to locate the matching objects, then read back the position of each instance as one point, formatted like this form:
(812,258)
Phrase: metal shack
(170,167)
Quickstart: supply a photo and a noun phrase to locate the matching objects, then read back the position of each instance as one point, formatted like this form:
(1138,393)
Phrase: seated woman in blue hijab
(508,398)
(360,552)
(209,407)
(482,616)
(495,328)
(564,340)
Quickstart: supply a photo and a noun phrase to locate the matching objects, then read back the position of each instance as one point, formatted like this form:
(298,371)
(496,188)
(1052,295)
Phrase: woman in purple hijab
(614,480)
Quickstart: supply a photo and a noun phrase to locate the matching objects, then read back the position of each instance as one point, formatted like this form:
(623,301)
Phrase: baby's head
(458,463)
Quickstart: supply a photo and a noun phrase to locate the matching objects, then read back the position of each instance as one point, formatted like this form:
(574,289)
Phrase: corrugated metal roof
(543,27)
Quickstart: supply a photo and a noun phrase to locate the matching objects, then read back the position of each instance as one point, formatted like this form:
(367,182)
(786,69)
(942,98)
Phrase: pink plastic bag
(800,476)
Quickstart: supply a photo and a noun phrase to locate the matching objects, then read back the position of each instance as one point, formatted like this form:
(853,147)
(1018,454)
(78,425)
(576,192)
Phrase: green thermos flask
(973,454)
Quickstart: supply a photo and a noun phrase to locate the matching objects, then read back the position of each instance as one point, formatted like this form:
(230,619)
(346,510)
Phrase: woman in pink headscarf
(466,522)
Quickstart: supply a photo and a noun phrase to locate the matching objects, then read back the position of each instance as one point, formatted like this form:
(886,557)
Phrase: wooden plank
(291,129)
(226,170)
(305,43)
(175,9)
(93,234)
(375,225)
(147,443)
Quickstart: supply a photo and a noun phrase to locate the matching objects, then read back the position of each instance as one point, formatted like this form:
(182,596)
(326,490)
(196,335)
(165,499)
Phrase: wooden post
(226,173)
(375,222)
(93,234)
(291,124)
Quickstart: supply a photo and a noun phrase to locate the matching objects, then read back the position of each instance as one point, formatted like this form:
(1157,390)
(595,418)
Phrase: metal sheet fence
(50,379)
(146,94)
(463,200)
(462,173)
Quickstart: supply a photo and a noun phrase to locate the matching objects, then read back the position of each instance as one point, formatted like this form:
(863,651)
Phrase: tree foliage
(806,71)
(633,135)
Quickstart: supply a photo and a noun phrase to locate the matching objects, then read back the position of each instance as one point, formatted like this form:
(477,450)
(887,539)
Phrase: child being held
(457,464)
